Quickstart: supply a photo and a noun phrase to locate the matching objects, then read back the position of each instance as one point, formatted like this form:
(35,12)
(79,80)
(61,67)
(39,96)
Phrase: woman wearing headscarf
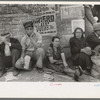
(80,52)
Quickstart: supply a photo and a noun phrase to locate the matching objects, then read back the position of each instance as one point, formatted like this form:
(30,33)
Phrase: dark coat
(15,44)
(93,40)
(76,45)
(96,11)
(79,58)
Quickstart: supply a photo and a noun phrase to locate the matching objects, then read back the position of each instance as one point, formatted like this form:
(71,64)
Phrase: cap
(5,34)
(28,24)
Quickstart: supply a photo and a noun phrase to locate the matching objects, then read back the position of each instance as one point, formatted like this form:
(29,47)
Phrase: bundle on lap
(31,49)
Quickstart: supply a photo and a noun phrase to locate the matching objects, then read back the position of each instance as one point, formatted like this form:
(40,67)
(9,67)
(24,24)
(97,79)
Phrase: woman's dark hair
(53,38)
(78,28)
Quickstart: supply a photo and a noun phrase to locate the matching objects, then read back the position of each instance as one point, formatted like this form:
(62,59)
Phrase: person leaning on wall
(32,51)
(96,12)
(89,20)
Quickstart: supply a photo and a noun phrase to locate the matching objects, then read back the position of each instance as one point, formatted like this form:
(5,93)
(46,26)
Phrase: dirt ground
(34,76)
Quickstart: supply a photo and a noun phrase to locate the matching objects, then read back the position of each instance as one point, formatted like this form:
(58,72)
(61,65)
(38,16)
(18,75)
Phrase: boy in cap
(31,49)
(10,51)
(94,39)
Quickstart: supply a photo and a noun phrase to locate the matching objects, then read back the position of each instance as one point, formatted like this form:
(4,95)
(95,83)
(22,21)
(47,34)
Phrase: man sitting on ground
(94,39)
(10,51)
(31,49)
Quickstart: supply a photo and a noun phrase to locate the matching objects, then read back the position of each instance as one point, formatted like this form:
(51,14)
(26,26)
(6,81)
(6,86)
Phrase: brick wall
(13,22)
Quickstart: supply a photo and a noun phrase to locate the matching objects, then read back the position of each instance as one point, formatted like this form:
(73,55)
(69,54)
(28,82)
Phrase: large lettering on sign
(45,24)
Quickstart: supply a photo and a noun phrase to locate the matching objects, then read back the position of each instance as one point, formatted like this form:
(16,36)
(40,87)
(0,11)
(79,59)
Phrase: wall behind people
(13,16)
(71,16)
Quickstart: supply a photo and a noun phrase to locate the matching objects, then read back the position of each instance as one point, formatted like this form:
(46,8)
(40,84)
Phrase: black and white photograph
(49,43)
(49,49)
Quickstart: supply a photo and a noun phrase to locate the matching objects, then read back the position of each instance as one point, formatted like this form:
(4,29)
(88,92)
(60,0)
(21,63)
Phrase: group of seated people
(83,48)
(17,56)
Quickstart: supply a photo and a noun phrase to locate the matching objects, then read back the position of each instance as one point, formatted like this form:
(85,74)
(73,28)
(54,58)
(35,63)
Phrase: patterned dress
(59,67)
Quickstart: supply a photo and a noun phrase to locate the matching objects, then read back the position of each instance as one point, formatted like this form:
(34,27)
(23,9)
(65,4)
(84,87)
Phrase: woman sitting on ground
(80,53)
(57,60)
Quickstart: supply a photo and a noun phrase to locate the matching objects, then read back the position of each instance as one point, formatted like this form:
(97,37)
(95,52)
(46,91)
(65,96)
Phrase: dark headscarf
(78,28)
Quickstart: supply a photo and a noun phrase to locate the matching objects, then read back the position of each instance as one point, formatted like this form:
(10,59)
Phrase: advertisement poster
(46,23)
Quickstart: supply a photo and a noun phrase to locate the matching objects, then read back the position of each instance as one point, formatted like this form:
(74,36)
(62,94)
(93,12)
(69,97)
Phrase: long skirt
(83,60)
(57,67)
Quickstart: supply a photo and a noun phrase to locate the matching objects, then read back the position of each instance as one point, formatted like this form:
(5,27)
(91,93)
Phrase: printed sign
(45,24)
(78,23)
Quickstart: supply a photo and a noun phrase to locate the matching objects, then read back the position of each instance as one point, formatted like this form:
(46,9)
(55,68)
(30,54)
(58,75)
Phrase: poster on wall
(46,23)
(78,23)
(72,11)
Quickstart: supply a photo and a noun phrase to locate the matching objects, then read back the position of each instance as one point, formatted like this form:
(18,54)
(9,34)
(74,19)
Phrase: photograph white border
(49,89)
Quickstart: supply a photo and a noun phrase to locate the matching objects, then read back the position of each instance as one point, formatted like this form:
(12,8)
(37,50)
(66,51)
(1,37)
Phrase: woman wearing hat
(10,51)
(80,53)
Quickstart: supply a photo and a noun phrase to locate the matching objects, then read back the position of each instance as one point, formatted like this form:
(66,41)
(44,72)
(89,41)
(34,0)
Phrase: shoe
(40,70)
(2,72)
(78,72)
(86,72)
(16,72)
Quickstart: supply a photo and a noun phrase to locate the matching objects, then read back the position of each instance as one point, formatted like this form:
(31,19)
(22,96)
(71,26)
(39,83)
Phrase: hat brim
(6,35)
